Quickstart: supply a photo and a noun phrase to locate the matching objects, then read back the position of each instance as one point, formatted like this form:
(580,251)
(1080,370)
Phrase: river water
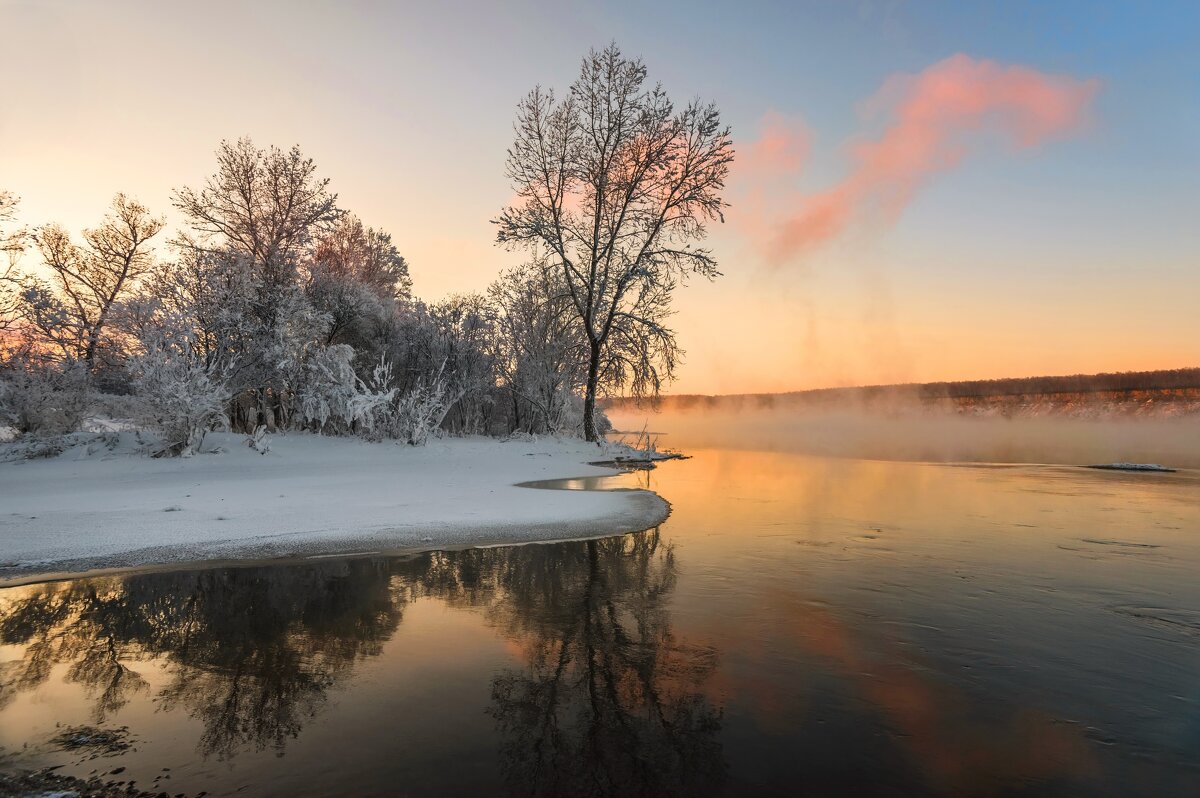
(799,626)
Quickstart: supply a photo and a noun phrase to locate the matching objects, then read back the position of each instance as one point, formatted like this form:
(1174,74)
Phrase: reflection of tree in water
(250,651)
(260,650)
(609,701)
(608,698)
(79,626)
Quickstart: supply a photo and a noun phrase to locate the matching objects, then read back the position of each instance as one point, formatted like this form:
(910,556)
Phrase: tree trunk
(589,396)
(89,356)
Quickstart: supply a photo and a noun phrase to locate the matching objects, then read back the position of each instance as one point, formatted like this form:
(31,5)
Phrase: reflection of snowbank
(103,508)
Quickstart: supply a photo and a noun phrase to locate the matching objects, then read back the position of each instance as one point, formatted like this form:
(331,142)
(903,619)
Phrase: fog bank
(921,434)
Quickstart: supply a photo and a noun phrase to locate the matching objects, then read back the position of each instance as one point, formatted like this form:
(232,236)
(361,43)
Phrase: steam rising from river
(918,433)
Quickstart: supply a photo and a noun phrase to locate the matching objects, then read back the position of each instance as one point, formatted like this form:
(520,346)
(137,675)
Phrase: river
(800,625)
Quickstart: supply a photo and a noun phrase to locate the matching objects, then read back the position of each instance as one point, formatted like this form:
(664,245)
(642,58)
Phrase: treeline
(1169,379)
(1116,382)
(271,308)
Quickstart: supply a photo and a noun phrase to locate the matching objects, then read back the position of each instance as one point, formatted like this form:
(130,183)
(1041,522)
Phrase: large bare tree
(73,310)
(265,205)
(615,185)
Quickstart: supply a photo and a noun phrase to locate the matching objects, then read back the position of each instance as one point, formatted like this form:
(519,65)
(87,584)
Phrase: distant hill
(1174,391)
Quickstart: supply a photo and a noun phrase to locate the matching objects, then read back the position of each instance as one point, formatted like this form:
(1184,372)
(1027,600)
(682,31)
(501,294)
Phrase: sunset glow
(980,193)
(549,398)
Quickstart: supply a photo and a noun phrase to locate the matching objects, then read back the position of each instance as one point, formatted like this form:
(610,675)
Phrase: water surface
(800,625)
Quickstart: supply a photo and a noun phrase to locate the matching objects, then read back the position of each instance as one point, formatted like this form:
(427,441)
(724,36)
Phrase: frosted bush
(179,397)
(258,440)
(333,398)
(41,398)
(421,411)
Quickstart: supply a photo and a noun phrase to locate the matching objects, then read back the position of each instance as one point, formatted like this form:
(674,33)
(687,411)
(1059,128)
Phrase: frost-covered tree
(267,205)
(335,399)
(421,411)
(448,343)
(266,209)
(358,316)
(71,311)
(616,185)
(213,292)
(210,295)
(540,353)
(366,255)
(278,310)
(12,244)
(463,332)
(360,281)
(180,396)
(10,240)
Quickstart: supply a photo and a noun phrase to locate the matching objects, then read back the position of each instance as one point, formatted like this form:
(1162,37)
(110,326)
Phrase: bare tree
(366,255)
(12,244)
(616,185)
(72,311)
(267,205)
(358,277)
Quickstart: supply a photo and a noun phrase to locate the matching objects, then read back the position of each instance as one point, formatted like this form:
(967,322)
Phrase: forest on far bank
(1161,392)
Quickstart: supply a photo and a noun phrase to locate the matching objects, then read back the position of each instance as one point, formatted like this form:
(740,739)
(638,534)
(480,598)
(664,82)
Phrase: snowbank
(308,495)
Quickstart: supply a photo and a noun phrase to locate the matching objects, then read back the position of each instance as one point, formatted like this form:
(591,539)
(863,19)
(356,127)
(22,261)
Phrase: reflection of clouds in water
(958,749)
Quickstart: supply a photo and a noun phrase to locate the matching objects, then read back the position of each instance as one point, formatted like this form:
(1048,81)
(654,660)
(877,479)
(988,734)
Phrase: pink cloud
(781,148)
(935,119)
(766,168)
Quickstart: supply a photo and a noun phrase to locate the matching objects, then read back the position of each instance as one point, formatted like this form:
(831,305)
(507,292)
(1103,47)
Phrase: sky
(922,191)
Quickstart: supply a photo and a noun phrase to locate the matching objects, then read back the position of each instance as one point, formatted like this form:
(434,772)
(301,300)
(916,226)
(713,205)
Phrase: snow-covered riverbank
(308,495)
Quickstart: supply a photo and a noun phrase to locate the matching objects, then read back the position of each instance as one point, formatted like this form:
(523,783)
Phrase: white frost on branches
(180,397)
(420,412)
(333,398)
(41,398)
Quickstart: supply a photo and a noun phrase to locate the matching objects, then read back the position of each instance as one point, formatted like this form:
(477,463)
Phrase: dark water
(800,626)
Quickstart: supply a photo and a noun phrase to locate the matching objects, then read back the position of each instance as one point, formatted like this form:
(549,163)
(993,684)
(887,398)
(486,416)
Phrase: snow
(1132,467)
(95,507)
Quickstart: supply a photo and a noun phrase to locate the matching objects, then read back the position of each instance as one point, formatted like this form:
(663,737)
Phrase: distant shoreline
(1144,393)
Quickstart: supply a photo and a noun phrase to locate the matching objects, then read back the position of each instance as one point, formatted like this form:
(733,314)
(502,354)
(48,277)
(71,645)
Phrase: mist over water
(916,433)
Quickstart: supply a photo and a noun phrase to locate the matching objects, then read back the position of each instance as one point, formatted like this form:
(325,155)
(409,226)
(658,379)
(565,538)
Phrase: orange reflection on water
(946,629)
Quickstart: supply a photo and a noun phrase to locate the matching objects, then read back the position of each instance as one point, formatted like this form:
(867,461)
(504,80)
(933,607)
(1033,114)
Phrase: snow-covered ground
(308,495)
